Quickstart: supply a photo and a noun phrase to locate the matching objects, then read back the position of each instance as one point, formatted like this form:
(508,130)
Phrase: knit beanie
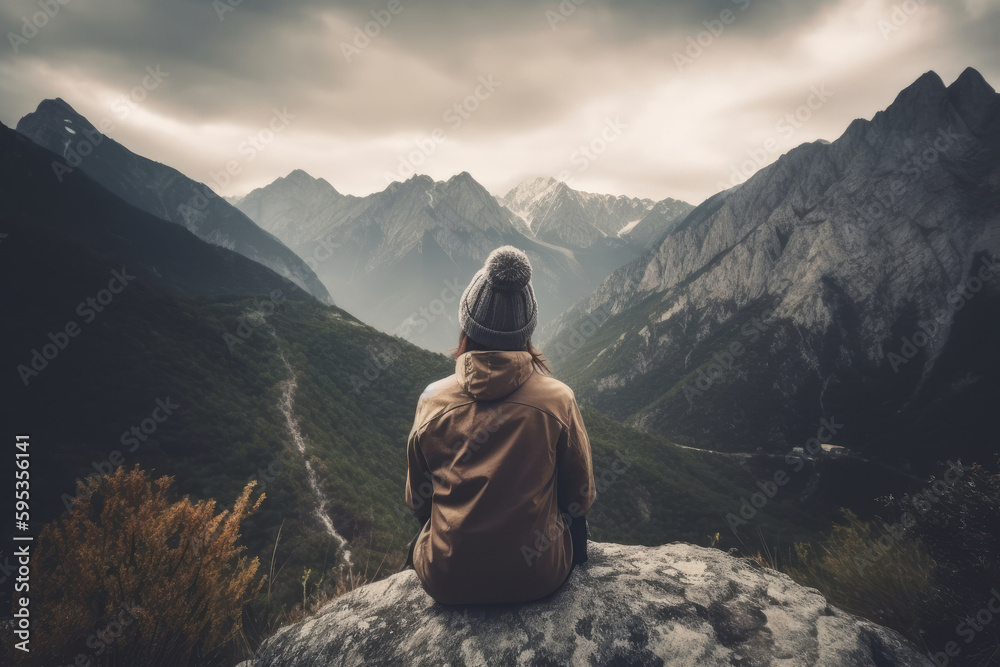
(498,308)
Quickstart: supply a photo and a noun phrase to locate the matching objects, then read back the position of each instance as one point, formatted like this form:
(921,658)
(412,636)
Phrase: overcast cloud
(556,80)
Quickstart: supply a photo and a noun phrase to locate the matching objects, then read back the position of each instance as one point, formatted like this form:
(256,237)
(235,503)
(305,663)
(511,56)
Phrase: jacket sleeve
(576,468)
(419,481)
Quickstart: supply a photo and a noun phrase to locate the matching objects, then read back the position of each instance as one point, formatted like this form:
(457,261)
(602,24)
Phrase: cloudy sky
(651,99)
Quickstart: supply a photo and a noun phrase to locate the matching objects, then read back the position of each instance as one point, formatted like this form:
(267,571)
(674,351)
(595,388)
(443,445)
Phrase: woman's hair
(466,344)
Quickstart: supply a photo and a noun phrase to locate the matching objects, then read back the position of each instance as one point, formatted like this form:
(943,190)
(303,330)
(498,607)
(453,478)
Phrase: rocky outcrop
(676,604)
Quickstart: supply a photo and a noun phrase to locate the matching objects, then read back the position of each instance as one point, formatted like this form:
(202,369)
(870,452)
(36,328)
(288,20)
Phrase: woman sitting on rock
(500,472)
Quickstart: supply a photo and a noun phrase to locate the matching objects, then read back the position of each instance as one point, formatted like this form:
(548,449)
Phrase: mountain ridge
(848,245)
(159,190)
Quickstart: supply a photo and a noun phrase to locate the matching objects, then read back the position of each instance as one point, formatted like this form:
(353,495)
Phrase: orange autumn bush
(129,577)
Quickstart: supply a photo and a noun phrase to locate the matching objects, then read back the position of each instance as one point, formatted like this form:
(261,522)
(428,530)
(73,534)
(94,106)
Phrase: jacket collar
(492,375)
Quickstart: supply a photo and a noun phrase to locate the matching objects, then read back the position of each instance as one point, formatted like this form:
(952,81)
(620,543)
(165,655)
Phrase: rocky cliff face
(676,604)
(853,278)
(660,221)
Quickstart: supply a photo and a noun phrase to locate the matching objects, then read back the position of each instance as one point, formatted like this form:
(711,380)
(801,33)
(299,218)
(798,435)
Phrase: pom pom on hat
(508,267)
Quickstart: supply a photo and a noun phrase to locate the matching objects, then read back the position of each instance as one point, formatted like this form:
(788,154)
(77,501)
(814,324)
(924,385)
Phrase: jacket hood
(492,375)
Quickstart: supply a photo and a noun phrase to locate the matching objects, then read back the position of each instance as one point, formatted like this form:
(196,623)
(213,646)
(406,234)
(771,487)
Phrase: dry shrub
(129,577)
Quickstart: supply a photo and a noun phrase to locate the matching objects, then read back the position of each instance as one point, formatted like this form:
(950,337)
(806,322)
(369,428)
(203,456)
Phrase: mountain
(400,259)
(83,224)
(563,216)
(603,231)
(159,190)
(853,280)
(291,204)
(649,231)
(675,604)
(573,219)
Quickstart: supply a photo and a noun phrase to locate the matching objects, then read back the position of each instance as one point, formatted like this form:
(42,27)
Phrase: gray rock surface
(676,604)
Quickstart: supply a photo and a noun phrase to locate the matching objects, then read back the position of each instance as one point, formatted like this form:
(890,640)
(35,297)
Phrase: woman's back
(497,447)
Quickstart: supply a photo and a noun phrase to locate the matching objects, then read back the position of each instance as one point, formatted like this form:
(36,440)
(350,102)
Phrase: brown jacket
(495,451)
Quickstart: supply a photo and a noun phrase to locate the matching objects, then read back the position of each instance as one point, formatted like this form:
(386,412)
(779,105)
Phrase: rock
(676,604)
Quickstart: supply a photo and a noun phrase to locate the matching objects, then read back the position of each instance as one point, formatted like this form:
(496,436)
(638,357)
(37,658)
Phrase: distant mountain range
(558,214)
(856,279)
(159,190)
(400,258)
(604,232)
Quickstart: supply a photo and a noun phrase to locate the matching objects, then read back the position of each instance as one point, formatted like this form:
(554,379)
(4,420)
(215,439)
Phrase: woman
(499,460)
